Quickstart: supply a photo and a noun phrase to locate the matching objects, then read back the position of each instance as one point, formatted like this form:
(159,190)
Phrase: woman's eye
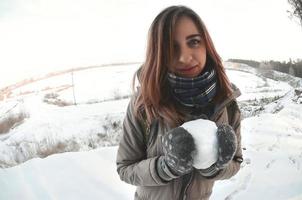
(194,43)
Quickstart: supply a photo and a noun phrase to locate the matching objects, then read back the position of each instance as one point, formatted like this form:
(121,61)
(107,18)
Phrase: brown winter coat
(136,160)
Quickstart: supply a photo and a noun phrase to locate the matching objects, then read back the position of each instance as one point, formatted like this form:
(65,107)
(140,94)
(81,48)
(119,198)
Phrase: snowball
(205,138)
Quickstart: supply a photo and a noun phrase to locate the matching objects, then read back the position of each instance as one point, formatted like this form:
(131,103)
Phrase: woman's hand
(227,145)
(178,147)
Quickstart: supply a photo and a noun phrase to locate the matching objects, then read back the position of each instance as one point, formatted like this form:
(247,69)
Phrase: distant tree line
(293,67)
(251,63)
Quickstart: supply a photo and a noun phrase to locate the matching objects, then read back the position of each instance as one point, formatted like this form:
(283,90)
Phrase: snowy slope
(273,158)
(272,168)
(82,175)
(94,122)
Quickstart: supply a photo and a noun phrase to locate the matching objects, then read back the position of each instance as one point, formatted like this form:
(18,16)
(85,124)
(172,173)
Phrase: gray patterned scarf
(194,92)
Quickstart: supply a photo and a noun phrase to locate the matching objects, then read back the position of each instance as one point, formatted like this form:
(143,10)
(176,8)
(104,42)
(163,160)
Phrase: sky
(40,36)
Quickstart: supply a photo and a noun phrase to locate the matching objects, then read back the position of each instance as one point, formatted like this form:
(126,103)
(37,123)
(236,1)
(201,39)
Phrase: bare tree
(296,9)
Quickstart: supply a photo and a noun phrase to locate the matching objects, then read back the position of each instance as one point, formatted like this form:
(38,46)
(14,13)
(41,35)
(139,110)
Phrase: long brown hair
(154,99)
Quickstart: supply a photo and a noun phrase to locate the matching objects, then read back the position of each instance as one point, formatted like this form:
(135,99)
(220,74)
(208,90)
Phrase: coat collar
(218,109)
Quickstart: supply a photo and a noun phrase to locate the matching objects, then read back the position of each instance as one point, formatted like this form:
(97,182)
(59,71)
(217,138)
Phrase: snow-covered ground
(81,175)
(89,133)
(52,129)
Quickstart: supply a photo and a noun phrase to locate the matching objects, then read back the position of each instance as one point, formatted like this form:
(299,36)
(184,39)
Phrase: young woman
(182,79)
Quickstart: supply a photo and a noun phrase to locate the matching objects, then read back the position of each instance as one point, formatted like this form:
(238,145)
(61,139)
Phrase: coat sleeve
(234,166)
(133,166)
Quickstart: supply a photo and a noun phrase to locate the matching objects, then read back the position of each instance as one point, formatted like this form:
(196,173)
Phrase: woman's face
(189,50)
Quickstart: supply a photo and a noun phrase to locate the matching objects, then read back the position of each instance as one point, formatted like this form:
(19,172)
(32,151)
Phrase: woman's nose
(185,56)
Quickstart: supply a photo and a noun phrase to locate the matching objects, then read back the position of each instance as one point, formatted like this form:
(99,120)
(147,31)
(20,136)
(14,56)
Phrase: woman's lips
(187,69)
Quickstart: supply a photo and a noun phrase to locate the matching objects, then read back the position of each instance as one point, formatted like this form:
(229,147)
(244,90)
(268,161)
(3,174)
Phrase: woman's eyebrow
(192,36)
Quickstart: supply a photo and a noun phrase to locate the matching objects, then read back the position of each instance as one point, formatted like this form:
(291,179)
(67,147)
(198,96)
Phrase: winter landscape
(64,151)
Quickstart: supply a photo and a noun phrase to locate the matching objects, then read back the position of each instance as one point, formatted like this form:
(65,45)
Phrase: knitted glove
(227,145)
(178,148)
